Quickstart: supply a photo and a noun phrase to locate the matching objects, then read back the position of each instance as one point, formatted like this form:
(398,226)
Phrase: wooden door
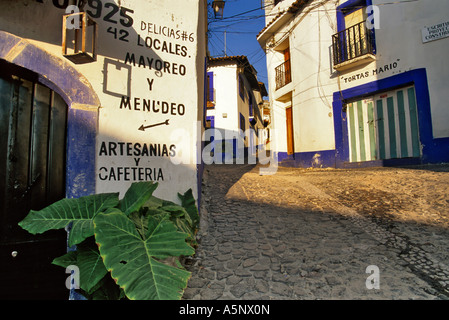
(361,130)
(384,126)
(397,124)
(288,71)
(32,176)
(290,142)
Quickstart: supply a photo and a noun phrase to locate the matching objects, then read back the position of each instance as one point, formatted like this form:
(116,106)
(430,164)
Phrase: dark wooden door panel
(56,153)
(32,175)
(23,278)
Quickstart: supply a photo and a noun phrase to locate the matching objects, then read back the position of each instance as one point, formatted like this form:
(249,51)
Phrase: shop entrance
(384,126)
(33,126)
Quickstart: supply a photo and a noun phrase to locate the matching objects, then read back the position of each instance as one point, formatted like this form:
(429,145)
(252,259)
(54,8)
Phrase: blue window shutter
(242,122)
(250,105)
(241,87)
(210,77)
(205,92)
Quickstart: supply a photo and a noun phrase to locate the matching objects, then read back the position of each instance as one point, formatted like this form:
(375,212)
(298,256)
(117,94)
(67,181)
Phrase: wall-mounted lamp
(218,7)
(78,28)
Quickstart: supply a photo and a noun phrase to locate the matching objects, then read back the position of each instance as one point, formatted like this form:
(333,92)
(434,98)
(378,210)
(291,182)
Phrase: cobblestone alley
(377,233)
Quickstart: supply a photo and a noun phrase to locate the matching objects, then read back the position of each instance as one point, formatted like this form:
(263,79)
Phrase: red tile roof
(249,70)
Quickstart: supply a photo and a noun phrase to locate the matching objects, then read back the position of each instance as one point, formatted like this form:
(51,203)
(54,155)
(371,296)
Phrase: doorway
(289,125)
(33,126)
(384,126)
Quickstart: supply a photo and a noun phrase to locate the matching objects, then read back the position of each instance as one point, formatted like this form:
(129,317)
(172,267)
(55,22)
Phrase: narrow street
(319,234)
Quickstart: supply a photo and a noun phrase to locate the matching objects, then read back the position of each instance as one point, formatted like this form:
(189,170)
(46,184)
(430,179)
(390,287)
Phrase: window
(242,122)
(283,71)
(210,122)
(250,101)
(353,40)
(210,90)
(241,87)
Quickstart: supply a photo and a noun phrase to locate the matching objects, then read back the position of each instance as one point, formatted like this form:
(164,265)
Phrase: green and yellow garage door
(384,126)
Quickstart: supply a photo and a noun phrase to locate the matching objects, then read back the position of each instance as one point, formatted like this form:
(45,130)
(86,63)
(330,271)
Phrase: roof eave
(280,19)
(273,26)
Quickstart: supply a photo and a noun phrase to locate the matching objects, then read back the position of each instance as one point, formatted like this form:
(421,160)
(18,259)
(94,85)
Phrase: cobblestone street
(312,233)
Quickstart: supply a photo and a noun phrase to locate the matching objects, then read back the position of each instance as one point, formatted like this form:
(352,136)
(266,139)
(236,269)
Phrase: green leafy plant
(128,248)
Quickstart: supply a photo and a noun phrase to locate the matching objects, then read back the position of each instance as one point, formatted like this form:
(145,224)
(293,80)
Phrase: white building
(90,106)
(358,82)
(234,107)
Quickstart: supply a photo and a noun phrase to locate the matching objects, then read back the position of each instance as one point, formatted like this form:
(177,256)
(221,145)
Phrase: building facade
(94,95)
(234,107)
(358,82)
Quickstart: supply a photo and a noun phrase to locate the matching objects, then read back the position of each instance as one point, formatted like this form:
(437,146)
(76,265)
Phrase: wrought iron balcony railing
(352,42)
(283,74)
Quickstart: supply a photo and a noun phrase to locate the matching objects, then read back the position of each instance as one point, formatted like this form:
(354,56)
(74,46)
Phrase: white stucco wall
(272,10)
(278,135)
(226,94)
(311,88)
(399,41)
(399,49)
(228,102)
(163,35)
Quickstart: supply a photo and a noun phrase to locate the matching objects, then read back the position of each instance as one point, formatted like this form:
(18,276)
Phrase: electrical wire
(225,19)
(223,25)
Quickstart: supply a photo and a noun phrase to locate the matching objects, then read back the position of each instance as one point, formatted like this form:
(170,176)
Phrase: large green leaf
(87,258)
(134,261)
(136,196)
(79,211)
(183,226)
(91,266)
(185,216)
(189,203)
(106,289)
(68,259)
(154,202)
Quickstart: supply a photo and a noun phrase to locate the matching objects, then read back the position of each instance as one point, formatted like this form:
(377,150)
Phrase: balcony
(353,46)
(283,74)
